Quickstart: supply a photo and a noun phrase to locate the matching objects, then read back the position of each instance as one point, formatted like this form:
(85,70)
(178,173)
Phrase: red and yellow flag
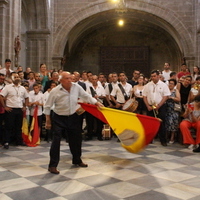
(34,129)
(135,131)
(27,138)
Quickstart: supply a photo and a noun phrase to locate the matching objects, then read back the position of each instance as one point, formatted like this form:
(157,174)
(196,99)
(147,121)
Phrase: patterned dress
(172,117)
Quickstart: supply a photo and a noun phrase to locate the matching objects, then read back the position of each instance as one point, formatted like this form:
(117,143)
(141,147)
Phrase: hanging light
(121,22)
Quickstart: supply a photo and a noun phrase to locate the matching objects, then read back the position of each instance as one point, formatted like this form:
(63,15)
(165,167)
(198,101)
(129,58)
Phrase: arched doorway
(142,43)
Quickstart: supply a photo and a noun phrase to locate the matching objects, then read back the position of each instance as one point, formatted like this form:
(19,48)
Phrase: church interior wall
(45,26)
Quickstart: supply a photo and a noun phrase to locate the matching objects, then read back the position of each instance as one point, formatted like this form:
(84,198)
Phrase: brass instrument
(155,112)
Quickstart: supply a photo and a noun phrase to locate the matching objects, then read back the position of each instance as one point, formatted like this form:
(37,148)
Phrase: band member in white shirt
(98,92)
(14,106)
(113,77)
(121,91)
(155,95)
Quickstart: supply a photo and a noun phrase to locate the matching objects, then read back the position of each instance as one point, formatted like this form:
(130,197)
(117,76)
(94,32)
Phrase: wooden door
(117,59)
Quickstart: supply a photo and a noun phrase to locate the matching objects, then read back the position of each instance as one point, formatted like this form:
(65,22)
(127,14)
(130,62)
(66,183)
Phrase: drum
(130,106)
(80,111)
(106,132)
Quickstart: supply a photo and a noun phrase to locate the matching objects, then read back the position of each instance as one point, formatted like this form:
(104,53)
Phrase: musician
(102,80)
(113,82)
(98,92)
(121,91)
(155,95)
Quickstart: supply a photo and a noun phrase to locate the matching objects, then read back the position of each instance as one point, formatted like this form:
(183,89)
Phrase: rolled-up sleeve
(86,97)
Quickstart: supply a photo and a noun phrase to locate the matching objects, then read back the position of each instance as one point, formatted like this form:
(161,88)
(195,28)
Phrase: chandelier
(120,6)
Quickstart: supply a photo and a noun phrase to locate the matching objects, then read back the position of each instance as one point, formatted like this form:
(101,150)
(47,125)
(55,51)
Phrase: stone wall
(9,29)
(178,20)
(51,31)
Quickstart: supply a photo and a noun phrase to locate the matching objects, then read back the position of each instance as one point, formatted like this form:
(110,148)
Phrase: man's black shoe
(82,165)
(197,150)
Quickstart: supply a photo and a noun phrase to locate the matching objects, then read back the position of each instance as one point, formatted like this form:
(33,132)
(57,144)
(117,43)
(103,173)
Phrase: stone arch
(172,24)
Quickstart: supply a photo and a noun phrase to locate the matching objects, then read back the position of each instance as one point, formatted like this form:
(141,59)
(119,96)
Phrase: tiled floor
(157,173)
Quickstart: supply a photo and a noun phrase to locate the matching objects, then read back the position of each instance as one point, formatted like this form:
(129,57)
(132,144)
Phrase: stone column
(38,48)
(3,5)
(57,62)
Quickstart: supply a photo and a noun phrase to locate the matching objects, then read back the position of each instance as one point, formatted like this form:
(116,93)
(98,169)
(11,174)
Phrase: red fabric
(2,110)
(180,74)
(151,126)
(185,130)
(36,131)
(92,109)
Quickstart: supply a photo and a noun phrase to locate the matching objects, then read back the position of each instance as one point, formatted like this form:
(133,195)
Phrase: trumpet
(155,112)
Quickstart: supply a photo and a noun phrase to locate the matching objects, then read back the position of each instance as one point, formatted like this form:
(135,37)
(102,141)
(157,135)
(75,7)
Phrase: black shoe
(82,165)
(100,138)
(164,144)
(197,150)
(53,170)
(6,146)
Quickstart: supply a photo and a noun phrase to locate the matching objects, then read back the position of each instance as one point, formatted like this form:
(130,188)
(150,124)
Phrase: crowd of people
(171,96)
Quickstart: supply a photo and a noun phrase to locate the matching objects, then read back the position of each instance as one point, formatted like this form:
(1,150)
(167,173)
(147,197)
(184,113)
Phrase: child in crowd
(36,99)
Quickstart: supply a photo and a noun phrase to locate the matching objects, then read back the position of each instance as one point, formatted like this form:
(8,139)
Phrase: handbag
(177,107)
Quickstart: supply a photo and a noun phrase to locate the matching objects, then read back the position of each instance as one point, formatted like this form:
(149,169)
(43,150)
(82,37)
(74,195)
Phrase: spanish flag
(34,130)
(27,138)
(135,131)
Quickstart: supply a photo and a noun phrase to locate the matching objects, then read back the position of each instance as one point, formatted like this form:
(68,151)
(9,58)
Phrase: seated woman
(192,120)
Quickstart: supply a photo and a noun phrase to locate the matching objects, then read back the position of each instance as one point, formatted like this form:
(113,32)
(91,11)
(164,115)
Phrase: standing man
(184,71)
(7,71)
(54,78)
(166,72)
(122,91)
(14,106)
(64,98)
(134,80)
(102,79)
(98,92)
(155,95)
(77,80)
(113,82)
